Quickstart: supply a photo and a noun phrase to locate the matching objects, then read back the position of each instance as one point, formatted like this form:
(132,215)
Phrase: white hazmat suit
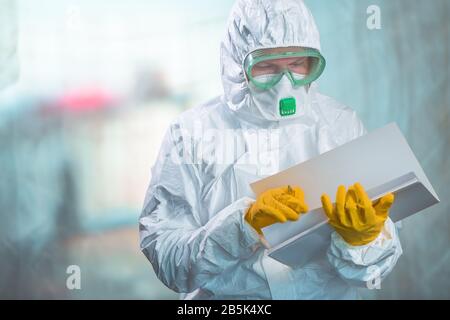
(192,226)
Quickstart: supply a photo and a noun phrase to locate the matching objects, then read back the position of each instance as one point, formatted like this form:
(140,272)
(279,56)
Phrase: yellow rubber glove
(354,216)
(276,205)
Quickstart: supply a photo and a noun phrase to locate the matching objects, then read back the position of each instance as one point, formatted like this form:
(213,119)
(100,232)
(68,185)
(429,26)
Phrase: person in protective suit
(201,228)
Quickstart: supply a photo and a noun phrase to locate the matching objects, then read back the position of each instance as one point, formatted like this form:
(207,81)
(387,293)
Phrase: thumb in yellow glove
(276,205)
(355,217)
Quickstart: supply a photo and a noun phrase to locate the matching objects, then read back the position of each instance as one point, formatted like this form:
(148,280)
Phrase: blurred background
(87,89)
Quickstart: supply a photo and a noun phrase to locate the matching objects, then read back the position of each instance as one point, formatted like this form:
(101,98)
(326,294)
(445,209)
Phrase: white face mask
(283,101)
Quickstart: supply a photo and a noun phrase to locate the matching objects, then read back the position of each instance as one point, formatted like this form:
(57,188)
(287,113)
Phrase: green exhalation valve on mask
(287,107)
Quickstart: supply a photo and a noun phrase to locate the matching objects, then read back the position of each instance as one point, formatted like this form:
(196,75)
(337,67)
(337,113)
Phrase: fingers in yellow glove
(263,214)
(354,216)
(384,204)
(293,197)
(327,206)
(351,209)
(282,209)
(367,213)
(340,205)
(276,205)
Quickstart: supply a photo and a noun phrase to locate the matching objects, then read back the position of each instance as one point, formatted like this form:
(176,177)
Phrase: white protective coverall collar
(192,225)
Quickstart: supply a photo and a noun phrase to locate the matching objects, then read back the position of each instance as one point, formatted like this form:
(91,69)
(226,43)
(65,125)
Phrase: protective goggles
(265,70)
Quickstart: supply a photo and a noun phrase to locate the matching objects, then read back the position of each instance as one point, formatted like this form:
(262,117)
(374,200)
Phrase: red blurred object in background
(86,99)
